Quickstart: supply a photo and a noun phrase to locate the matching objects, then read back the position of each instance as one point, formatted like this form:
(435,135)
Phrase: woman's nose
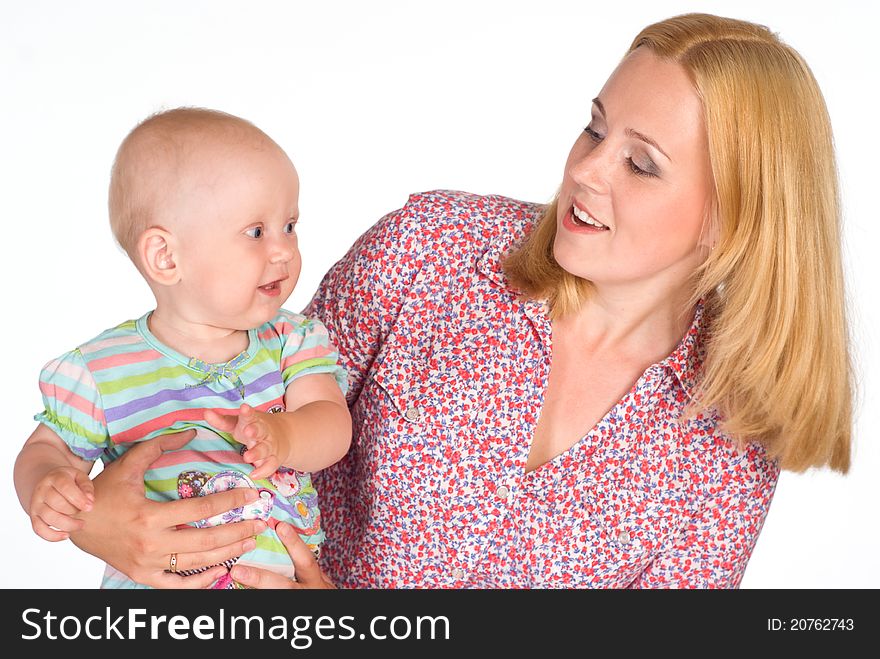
(589,169)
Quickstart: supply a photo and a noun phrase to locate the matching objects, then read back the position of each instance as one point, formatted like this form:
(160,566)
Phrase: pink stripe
(165,421)
(73,400)
(124,359)
(187,416)
(303,355)
(89,348)
(71,370)
(181,457)
(275,331)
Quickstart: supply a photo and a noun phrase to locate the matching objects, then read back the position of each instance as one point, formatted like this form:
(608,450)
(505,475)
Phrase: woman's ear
(711,229)
(158,256)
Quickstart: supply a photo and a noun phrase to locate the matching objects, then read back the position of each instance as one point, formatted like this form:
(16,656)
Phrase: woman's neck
(210,344)
(629,321)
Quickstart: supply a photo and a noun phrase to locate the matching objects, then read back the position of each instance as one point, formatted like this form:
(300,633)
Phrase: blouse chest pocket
(416,424)
(438,390)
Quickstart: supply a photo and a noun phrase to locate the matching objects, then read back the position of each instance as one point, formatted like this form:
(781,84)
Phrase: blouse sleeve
(714,547)
(306,349)
(73,406)
(361,296)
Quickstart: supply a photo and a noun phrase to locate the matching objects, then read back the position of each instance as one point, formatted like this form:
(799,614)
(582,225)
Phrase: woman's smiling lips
(580,220)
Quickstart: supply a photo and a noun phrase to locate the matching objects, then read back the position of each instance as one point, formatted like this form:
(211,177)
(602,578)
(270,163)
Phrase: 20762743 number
(820,624)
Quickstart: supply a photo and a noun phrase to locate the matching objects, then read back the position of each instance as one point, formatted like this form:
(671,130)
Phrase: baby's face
(237,244)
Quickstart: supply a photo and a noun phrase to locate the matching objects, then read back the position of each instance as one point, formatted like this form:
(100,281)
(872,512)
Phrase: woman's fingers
(133,464)
(199,547)
(177,581)
(186,511)
(254,577)
(139,457)
(308,572)
(194,560)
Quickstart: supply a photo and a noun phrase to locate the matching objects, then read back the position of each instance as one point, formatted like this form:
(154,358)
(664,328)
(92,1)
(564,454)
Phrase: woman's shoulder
(443,202)
(718,460)
(454,215)
(433,233)
(459,208)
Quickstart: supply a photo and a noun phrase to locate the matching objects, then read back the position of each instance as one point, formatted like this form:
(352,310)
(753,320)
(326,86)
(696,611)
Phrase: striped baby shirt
(125,386)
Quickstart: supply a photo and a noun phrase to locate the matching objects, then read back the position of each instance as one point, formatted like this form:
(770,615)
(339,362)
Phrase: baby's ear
(157,255)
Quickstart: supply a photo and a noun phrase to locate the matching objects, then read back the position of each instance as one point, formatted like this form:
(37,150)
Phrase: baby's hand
(61,493)
(267,448)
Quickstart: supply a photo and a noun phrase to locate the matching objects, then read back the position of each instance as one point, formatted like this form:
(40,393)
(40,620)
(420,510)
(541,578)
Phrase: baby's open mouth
(272,288)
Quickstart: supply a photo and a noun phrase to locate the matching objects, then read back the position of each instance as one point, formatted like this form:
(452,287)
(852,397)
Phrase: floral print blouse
(448,364)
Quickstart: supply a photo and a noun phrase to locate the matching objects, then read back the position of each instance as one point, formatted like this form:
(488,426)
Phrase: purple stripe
(86,453)
(188,394)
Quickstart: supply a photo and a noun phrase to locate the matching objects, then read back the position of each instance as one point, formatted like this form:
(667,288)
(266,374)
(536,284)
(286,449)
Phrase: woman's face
(640,170)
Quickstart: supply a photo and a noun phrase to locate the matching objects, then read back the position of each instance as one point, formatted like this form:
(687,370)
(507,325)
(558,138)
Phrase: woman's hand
(308,573)
(138,536)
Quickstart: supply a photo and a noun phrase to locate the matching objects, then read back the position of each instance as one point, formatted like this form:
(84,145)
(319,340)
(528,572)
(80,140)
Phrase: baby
(205,205)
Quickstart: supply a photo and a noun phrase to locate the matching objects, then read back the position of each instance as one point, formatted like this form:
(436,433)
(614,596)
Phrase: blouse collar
(684,362)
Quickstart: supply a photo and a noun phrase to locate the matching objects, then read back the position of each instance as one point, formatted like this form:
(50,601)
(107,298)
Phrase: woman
(600,392)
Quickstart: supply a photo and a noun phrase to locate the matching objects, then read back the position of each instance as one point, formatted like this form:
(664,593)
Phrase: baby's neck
(213,345)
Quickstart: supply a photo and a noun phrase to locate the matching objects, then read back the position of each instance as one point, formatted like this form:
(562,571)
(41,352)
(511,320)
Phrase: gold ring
(173,563)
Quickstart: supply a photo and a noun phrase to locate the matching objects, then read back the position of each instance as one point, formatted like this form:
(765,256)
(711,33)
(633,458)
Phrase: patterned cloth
(448,365)
(125,386)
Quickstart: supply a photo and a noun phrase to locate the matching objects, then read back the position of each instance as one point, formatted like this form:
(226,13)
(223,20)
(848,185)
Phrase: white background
(373,101)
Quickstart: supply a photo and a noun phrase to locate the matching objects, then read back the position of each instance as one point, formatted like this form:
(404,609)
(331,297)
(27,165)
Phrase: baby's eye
(254,232)
(290,227)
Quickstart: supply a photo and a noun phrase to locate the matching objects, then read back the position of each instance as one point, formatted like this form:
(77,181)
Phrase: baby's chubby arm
(314,432)
(52,484)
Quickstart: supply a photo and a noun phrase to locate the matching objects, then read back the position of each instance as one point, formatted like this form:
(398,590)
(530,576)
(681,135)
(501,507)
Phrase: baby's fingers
(222,422)
(257,452)
(52,525)
(46,532)
(265,468)
(252,428)
(79,493)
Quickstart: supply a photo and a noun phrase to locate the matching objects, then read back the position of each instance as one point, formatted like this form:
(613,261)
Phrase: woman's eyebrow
(634,133)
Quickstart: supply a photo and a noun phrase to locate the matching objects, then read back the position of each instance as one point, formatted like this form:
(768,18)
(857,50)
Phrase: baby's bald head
(163,158)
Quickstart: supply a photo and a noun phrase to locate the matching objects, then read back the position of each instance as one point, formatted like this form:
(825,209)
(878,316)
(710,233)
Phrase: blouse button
(458,574)
(502,492)
(412,414)
(623,537)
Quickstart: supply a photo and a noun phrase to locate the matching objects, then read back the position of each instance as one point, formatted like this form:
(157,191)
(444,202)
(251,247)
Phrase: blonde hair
(777,364)
(151,159)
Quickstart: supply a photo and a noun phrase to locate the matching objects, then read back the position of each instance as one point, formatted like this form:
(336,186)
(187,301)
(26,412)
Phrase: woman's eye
(290,227)
(254,232)
(638,171)
(593,134)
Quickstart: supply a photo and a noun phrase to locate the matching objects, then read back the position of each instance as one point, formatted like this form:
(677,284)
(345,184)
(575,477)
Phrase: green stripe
(263,355)
(293,369)
(270,543)
(121,384)
(71,426)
